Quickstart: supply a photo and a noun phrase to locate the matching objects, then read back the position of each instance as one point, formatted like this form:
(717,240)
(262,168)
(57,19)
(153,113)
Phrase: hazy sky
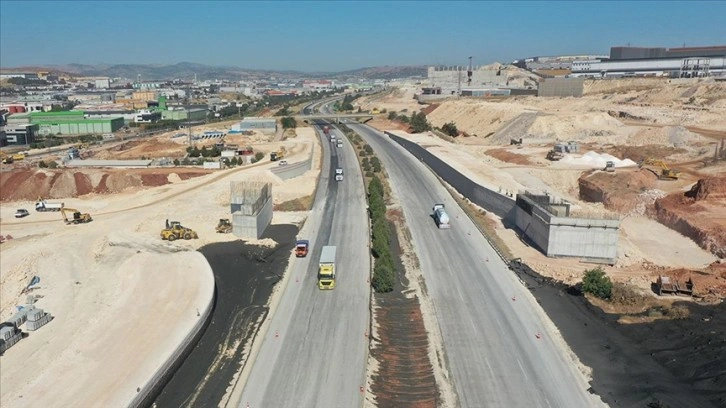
(342,35)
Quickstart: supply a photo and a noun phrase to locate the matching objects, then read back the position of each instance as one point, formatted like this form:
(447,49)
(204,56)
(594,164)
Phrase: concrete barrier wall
(535,228)
(583,237)
(492,201)
(151,390)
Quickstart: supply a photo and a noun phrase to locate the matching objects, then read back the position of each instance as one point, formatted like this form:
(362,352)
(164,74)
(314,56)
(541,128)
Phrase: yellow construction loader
(77,216)
(174,230)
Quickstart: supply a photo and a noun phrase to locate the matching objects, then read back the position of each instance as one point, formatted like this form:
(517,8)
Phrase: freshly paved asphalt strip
(500,346)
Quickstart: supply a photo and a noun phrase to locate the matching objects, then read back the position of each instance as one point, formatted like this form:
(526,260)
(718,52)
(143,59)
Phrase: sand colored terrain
(680,122)
(122,299)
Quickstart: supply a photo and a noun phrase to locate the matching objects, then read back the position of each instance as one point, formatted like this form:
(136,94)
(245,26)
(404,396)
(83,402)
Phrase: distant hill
(187,70)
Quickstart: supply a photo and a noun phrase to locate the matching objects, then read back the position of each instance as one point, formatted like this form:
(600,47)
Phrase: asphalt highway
(501,348)
(315,351)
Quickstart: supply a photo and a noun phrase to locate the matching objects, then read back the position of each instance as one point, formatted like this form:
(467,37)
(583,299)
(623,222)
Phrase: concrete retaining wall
(560,87)
(553,235)
(295,169)
(489,200)
(151,390)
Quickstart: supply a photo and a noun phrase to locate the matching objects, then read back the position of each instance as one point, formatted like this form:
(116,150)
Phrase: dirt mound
(640,153)
(509,157)
(619,192)
(713,187)
(22,185)
(698,214)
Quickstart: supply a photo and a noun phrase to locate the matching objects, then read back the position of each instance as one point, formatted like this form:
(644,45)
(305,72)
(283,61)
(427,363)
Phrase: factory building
(192,114)
(72,123)
(691,62)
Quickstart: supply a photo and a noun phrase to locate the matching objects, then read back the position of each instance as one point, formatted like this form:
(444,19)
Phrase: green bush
(450,129)
(42,164)
(368,149)
(419,123)
(597,283)
(52,165)
(362,153)
(288,122)
(392,115)
(177,162)
(383,277)
(258,156)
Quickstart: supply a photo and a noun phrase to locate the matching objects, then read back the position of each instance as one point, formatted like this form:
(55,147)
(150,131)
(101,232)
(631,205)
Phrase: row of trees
(204,152)
(384,269)
(417,121)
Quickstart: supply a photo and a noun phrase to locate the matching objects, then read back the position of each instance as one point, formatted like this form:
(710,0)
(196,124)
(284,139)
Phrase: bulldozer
(224,226)
(77,216)
(174,230)
(665,173)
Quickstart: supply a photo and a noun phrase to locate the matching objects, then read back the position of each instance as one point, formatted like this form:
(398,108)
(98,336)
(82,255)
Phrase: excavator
(666,173)
(174,230)
(77,216)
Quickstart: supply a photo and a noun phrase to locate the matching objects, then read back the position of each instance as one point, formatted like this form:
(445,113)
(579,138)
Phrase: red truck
(326,130)
(301,248)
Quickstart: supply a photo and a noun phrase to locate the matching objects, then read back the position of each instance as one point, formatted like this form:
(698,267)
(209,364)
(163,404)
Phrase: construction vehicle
(301,248)
(554,155)
(326,269)
(665,172)
(78,217)
(515,141)
(441,217)
(375,111)
(82,146)
(609,166)
(224,226)
(174,230)
(666,285)
(6,158)
(45,206)
(18,156)
(275,156)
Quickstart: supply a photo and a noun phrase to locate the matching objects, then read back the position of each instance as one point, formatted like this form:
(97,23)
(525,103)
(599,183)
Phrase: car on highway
(21,212)
(282,163)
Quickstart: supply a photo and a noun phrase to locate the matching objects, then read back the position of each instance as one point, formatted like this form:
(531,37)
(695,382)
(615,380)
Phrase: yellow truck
(326,271)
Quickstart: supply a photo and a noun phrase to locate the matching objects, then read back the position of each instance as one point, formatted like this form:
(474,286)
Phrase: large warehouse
(73,123)
(691,62)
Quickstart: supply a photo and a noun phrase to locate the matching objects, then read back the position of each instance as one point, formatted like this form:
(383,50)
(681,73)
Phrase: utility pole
(469,73)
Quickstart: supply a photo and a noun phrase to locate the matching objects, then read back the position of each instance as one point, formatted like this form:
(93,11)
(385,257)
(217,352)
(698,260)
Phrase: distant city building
(318,84)
(23,75)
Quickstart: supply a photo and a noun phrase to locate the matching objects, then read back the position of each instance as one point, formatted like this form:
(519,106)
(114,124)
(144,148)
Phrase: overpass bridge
(336,117)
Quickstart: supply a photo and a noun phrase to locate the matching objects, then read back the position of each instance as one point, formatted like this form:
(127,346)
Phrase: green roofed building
(73,123)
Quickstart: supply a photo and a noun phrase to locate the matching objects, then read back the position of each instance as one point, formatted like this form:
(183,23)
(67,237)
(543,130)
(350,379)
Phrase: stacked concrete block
(9,335)
(251,208)
(37,318)
(19,318)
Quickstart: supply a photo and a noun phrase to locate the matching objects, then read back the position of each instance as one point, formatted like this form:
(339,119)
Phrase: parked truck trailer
(44,206)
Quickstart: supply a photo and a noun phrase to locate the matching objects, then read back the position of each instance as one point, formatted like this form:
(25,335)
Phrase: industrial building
(454,78)
(22,134)
(192,114)
(691,62)
(66,123)
(264,125)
